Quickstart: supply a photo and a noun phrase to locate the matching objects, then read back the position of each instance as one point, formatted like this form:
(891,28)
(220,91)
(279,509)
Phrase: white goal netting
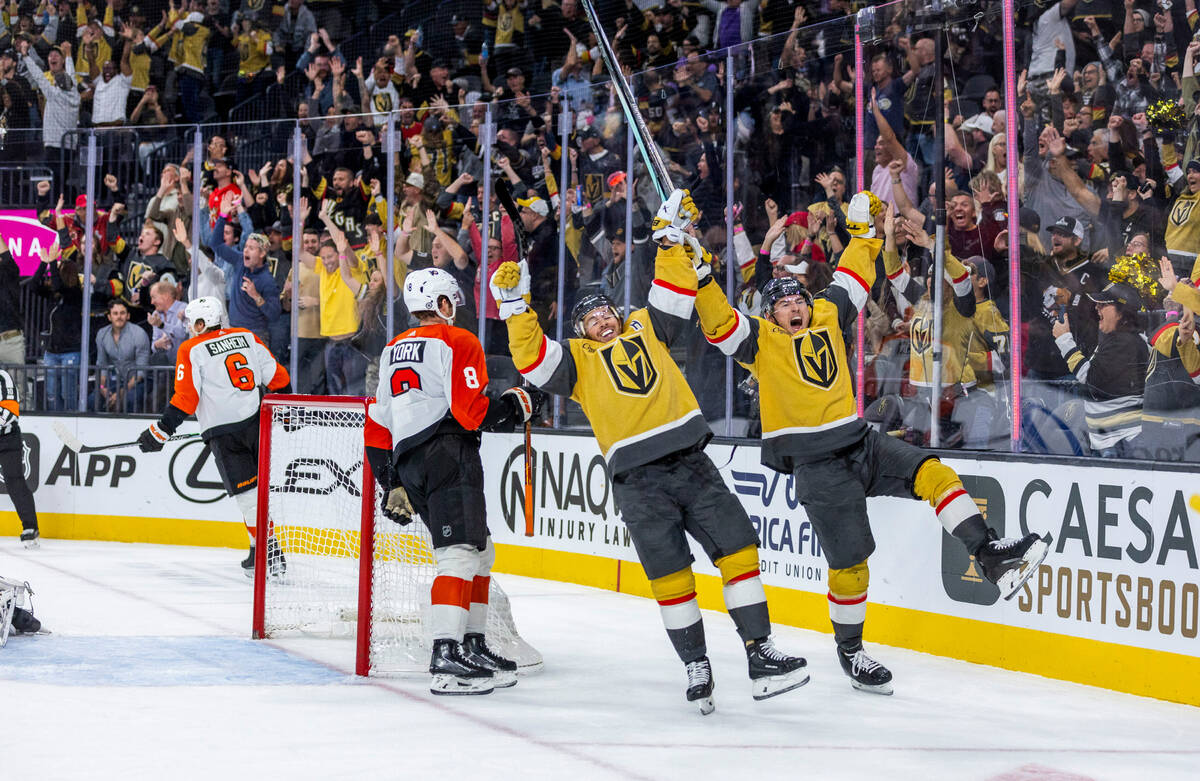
(314,465)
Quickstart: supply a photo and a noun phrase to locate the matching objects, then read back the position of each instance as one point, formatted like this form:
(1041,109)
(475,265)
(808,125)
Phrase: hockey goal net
(351,572)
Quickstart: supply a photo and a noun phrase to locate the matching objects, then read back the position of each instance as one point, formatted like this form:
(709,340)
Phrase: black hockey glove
(152,439)
(507,411)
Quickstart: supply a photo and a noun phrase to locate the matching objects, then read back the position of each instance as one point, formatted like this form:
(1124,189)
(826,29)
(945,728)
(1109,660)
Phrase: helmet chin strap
(453,309)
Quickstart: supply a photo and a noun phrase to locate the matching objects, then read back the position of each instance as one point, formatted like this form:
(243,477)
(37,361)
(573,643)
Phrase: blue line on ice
(156,661)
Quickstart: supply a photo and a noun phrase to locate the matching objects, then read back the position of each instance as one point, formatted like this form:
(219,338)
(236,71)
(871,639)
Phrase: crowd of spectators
(1106,162)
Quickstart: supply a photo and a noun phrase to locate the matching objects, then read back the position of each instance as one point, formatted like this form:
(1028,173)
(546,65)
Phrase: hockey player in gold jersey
(652,435)
(797,352)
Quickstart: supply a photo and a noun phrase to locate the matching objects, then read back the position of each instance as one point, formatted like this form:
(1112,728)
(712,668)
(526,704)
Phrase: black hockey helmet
(589,303)
(782,287)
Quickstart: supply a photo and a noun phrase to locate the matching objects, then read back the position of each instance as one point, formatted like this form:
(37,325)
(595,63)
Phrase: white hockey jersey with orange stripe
(218,375)
(430,377)
(10,409)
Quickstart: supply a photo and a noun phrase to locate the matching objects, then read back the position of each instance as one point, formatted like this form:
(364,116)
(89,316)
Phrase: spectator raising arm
(457,253)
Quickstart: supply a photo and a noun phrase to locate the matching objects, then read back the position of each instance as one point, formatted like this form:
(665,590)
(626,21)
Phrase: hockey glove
(674,216)
(522,403)
(510,288)
(152,439)
(700,257)
(396,507)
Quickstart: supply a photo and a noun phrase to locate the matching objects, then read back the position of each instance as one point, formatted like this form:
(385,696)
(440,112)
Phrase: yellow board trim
(120,528)
(1141,671)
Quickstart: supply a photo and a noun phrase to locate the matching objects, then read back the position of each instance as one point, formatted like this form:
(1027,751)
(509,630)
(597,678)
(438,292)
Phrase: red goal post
(351,572)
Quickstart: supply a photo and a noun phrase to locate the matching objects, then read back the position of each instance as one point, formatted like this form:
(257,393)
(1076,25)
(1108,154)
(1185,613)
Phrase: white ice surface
(149,673)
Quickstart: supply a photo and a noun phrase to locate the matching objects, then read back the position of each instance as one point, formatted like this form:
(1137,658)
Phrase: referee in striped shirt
(12,461)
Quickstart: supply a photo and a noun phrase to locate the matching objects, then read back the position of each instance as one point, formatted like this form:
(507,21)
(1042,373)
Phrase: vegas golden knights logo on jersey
(1182,210)
(921,334)
(593,188)
(629,365)
(816,358)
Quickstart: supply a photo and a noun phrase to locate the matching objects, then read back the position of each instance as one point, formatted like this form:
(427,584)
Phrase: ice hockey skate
(773,672)
(1011,561)
(700,685)
(475,650)
(276,561)
(454,675)
(29,539)
(865,673)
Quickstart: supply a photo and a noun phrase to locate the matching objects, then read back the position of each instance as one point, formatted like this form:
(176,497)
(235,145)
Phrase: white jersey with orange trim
(430,377)
(10,409)
(217,378)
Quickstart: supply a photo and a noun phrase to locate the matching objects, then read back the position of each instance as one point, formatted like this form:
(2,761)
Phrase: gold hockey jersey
(1183,226)
(806,385)
(632,391)
(958,327)
(988,352)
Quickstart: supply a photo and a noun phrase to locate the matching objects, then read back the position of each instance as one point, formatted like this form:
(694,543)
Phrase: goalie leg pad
(450,595)
(744,596)
(676,595)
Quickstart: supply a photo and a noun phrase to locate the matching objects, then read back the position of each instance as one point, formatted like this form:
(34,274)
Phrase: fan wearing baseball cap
(1113,376)
(1053,286)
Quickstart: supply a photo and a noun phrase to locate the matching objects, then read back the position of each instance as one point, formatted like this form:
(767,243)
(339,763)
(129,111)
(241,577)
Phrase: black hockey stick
(72,442)
(505,196)
(655,162)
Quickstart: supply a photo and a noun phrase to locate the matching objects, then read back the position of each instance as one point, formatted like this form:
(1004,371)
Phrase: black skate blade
(881,688)
(1012,581)
(775,685)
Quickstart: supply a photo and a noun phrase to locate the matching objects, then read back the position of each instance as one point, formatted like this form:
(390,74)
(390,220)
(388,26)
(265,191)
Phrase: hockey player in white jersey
(218,377)
(423,433)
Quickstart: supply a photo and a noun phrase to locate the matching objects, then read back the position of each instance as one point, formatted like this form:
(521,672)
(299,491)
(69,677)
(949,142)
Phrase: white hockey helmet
(206,308)
(423,289)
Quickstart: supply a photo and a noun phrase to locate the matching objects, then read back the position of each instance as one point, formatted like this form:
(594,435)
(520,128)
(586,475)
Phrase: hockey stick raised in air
(72,442)
(504,195)
(655,162)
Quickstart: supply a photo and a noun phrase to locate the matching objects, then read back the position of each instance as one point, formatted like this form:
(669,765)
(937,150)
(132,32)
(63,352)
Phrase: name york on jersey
(407,352)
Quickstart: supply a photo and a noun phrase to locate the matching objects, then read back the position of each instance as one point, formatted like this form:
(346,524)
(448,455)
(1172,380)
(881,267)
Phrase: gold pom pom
(1137,271)
(1164,115)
